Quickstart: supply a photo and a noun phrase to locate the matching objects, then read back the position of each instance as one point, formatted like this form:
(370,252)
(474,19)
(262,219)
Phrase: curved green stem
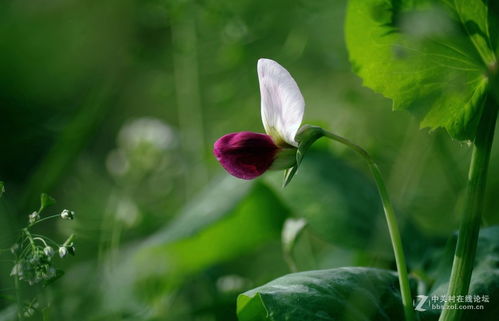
(43,219)
(464,255)
(392,225)
(30,239)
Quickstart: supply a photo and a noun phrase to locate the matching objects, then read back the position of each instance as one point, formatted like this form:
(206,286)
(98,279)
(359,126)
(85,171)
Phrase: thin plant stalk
(19,311)
(391,220)
(464,255)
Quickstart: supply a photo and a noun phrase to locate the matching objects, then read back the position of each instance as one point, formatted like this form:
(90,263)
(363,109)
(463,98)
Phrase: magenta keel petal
(245,155)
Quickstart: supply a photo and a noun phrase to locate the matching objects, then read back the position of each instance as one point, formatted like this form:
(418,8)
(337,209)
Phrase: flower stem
(69,240)
(30,239)
(464,255)
(391,220)
(43,219)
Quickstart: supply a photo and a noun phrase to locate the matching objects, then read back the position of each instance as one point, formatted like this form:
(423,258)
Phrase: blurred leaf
(290,233)
(350,293)
(229,219)
(432,59)
(217,201)
(340,204)
(2,188)
(484,281)
(45,201)
(9,313)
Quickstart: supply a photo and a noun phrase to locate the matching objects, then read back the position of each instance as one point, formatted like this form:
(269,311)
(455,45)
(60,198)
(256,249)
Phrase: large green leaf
(229,219)
(346,294)
(484,281)
(432,58)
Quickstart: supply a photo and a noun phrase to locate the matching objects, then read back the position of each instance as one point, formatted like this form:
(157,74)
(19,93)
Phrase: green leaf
(213,204)
(432,58)
(340,204)
(350,293)
(230,218)
(45,201)
(2,188)
(484,281)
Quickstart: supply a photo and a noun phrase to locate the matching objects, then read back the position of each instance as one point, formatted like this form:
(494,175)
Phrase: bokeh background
(112,108)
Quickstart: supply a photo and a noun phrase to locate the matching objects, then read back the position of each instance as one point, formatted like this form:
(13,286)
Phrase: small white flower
(63,251)
(33,217)
(67,215)
(49,251)
(282,104)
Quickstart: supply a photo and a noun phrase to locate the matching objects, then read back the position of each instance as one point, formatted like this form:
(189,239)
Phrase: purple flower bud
(245,155)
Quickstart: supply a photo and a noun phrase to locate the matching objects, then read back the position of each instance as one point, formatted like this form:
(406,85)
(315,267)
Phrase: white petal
(282,101)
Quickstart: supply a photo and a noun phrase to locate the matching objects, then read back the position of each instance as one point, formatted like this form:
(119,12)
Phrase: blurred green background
(112,107)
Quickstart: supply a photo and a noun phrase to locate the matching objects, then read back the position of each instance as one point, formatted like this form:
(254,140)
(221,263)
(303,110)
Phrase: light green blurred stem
(18,298)
(391,220)
(464,255)
(188,94)
(70,142)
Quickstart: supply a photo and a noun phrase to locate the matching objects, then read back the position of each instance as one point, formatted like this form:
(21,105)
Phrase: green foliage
(45,201)
(151,248)
(350,293)
(229,219)
(339,203)
(2,188)
(484,281)
(434,59)
(230,225)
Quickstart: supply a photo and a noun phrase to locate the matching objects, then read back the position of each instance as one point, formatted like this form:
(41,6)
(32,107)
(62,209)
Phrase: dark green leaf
(431,58)
(2,188)
(350,293)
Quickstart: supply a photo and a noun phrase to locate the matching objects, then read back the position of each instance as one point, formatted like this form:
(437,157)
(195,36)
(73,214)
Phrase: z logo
(422,301)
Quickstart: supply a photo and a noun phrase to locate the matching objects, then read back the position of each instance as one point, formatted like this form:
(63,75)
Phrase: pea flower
(248,155)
